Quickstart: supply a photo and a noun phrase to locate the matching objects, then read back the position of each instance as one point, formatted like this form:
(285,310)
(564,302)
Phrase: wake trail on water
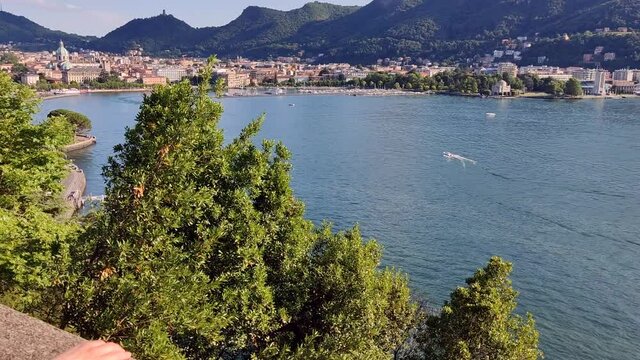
(566,226)
(547,184)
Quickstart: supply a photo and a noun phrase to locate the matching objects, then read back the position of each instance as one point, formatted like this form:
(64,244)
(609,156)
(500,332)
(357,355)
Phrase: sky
(98,17)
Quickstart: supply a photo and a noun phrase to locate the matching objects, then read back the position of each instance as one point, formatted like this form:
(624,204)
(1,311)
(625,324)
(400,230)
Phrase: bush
(81,123)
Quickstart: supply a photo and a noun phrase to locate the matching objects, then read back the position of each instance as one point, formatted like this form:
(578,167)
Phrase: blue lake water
(556,190)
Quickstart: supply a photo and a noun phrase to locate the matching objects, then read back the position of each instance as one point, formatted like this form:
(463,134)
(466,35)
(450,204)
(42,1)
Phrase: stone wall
(81,142)
(25,338)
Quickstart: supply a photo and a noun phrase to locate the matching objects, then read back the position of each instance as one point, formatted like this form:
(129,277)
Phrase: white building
(174,74)
(623,75)
(30,79)
(81,74)
(501,88)
(600,83)
(584,74)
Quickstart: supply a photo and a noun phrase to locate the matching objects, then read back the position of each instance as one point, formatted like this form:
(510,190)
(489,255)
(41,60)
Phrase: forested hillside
(434,29)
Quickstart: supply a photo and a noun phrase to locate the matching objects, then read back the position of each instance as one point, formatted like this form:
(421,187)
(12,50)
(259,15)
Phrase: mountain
(157,34)
(258,30)
(441,29)
(435,29)
(30,35)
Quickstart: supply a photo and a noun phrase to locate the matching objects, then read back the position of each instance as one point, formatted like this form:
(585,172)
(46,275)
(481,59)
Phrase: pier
(81,142)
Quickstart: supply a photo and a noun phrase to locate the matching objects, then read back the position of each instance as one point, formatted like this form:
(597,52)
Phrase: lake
(556,190)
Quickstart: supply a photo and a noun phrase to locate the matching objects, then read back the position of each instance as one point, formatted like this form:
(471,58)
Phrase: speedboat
(491,115)
(451,156)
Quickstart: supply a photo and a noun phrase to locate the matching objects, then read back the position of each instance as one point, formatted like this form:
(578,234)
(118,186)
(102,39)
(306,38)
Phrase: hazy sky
(97,17)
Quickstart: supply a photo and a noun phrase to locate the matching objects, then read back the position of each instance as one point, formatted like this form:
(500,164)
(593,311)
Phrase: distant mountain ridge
(19,29)
(436,29)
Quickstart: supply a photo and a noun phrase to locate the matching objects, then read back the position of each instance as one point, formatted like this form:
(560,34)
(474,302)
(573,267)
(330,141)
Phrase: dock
(81,142)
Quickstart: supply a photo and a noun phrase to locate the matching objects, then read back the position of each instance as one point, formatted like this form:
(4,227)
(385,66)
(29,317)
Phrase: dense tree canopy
(478,322)
(202,251)
(33,240)
(80,122)
(573,88)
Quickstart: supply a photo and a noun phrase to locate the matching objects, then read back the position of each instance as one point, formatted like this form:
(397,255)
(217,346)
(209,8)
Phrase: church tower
(62,55)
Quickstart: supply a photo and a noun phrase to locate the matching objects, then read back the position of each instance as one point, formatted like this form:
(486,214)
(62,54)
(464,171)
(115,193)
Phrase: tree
(80,122)
(202,251)
(8,58)
(34,240)
(18,70)
(553,87)
(478,322)
(573,87)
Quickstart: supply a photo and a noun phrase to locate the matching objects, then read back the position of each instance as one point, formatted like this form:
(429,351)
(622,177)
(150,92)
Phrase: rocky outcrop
(74,186)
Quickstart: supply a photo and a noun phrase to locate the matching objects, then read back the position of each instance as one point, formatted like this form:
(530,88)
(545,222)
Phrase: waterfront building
(501,88)
(30,79)
(235,80)
(623,87)
(80,74)
(584,74)
(174,74)
(623,75)
(600,83)
(154,80)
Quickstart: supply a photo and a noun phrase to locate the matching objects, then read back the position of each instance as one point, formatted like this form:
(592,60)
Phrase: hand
(95,350)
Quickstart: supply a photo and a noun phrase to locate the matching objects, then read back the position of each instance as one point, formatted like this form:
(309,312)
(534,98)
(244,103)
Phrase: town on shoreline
(64,73)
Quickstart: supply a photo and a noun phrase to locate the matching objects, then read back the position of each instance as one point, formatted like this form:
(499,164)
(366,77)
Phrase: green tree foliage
(33,240)
(573,88)
(202,251)
(553,87)
(18,70)
(8,58)
(456,81)
(478,322)
(80,122)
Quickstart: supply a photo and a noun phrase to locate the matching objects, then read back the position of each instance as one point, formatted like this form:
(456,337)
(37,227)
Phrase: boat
(292,105)
(451,156)
(490,115)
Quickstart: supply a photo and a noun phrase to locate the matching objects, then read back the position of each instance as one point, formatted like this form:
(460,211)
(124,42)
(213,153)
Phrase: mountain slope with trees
(156,34)
(29,35)
(435,29)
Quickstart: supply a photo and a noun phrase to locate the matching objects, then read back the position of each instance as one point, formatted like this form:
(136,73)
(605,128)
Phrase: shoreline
(311,91)
(47,96)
